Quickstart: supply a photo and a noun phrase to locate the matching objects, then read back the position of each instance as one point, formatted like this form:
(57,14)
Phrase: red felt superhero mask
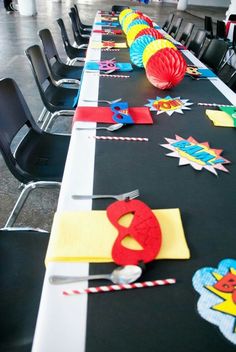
(144,228)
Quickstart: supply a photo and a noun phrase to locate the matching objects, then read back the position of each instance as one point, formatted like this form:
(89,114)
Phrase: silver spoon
(111,128)
(121,275)
(103,101)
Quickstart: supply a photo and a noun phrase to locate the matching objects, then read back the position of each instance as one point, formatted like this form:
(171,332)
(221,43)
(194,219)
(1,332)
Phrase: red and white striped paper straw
(120,287)
(213,104)
(113,76)
(110,49)
(114,138)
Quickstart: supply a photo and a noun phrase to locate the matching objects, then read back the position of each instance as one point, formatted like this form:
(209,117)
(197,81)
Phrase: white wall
(216,3)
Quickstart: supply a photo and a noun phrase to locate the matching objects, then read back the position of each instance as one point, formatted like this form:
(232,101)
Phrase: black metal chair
(174,29)
(186,34)
(167,24)
(84,27)
(220,30)
(58,101)
(118,8)
(59,69)
(214,54)
(39,159)
(196,44)
(22,253)
(208,27)
(80,41)
(73,54)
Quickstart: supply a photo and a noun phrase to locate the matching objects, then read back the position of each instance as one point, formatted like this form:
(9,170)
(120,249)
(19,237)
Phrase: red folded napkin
(140,115)
(103,31)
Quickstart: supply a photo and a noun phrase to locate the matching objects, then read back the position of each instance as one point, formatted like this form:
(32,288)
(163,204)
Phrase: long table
(158,319)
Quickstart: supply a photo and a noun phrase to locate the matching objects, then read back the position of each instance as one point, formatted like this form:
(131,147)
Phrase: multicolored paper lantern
(137,48)
(150,31)
(134,31)
(155,46)
(135,22)
(147,19)
(166,68)
(128,19)
(124,13)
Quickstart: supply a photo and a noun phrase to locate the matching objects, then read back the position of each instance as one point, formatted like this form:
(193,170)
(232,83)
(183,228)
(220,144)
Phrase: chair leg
(42,115)
(48,124)
(24,195)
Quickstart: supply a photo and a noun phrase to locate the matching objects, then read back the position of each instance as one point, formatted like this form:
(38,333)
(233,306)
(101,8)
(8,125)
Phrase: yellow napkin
(98,45)
(220,118)
(88,236)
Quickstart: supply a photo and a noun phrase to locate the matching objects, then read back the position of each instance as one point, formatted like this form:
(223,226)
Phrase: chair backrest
(77,20)
(78,16)
(75,30)
(208,26)
(22,261)
(220,30)
(232,17)
(64,34)
(173,31)
(14,114)
(49,46)
(214,54)
(197,42)
(119,8)
(40,70)
(167,24)
(188,29)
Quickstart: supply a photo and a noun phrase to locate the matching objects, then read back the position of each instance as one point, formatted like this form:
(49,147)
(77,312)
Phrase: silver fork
(122,196)
(103,101)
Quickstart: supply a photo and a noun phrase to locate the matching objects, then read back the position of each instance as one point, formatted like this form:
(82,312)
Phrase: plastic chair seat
(22,262)
(60,98)
(65,71)
(43,155)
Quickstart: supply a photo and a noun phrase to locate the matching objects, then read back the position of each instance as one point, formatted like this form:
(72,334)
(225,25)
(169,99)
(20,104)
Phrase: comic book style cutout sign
(108,65)
(121,113)
(198,72)
(144,229)
(198,155)
(217,302)
(168,105)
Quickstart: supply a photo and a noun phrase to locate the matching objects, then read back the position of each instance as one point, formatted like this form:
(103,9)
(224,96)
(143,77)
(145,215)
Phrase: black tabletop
(164,319)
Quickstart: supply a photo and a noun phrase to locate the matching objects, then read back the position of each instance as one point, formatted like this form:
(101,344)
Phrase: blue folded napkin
(109,24)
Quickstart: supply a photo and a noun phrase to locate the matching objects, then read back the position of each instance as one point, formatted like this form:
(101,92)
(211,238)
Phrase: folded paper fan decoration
(134,31)
(166,68)
(147,19)
(150,31)
(128,19)
(155,46)
(137,48)
(135,22)
(123,14)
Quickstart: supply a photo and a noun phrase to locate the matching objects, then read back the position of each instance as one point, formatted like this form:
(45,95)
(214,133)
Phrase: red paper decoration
(166,68)
(150,31)
(144,228)
(147,19)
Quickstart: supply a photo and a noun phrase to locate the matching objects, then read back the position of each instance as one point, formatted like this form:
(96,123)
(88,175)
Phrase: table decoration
(108,44)
(123,13)
(127,20)
(131,34)
(168,105)
(102,114)
(154,47)
(110,288)
(217,302)
(143,229)
(107,24)
(109,18)
(226,117)
(150,31)
(88,236)
(197,154)
(198,72)
(126,139)
(136,22)
(108,32)
(166,68)
(137,48)
(107,65)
